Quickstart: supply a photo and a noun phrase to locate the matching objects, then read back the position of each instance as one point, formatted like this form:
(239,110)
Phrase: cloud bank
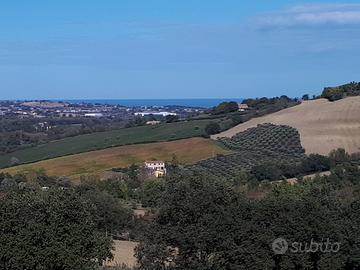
(311,15)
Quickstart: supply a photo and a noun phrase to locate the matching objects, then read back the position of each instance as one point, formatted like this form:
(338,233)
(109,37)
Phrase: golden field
(187,151)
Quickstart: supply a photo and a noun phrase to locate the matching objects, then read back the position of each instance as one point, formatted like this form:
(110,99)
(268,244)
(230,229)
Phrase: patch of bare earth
(311,176)
(140,212)
(323,125)
(123,253)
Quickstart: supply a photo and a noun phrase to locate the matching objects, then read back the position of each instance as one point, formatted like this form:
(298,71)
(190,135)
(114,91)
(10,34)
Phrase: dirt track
(323,125)
(124,253)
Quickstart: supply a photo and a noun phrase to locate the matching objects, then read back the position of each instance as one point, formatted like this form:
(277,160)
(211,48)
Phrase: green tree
(191,225)
(63,181)
(233,106)
(172,118)
(332,93)
(152,192)
(237,119)
(43,179)
(212,128)
(340,156)
(225,107)
(49,230)
(305,97)
(110,217)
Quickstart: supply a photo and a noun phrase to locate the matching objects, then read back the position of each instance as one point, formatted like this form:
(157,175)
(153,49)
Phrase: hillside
(323,125)
(258,149)
(188,151)
(101,140)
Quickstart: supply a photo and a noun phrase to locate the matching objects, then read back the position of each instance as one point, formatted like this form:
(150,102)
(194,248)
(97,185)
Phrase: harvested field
(188,151)
(323,125)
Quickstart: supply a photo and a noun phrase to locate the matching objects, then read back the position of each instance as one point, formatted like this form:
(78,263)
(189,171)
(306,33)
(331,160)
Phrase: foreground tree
(49,230)
(192,227)
(205,223)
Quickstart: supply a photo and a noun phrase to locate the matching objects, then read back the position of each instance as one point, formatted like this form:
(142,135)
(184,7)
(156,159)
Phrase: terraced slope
(323,125)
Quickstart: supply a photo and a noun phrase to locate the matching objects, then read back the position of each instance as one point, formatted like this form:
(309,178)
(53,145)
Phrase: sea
(203,103)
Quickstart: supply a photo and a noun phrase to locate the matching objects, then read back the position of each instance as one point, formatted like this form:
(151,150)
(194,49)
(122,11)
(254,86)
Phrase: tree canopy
(49,230)
(204,222)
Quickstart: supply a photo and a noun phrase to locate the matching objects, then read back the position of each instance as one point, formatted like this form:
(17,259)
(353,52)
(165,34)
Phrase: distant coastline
(203,103)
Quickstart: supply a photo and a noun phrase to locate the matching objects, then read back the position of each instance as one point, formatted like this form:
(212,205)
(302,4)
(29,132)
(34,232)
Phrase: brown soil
(123,253)
(311,176)
(323,125)
(140,212)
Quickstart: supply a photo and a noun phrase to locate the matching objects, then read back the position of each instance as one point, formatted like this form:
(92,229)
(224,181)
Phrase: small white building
(94,114)
(154,113)
(153,122)
(242,107)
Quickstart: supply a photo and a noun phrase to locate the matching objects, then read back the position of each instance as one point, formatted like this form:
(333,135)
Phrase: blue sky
(120,49)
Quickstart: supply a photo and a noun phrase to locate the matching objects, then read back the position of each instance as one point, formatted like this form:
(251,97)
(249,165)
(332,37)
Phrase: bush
(212,128)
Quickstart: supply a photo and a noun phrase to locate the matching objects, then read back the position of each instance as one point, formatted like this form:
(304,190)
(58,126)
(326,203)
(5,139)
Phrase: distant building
(155,113)
(156,167)
(242,107)
(94,114)
(153,122)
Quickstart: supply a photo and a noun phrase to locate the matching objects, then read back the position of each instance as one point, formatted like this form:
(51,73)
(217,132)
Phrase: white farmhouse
(156,167)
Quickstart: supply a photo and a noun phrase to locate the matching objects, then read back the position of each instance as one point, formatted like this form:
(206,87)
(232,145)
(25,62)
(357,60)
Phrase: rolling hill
(323,125)
(188,151)
(102,140)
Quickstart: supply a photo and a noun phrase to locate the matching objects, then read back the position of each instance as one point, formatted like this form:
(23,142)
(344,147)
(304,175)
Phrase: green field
(101,140)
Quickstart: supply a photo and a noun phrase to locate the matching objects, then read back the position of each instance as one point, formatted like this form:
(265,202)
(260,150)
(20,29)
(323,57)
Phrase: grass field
(101,140)
(188,151)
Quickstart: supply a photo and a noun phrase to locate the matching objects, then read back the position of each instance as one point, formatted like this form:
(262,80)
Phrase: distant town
(49,109)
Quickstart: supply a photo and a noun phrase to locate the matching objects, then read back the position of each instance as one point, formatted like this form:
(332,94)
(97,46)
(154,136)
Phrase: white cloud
(312,15)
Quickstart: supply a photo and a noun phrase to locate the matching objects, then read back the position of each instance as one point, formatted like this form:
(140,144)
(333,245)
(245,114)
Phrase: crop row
(268,138)
(230,165)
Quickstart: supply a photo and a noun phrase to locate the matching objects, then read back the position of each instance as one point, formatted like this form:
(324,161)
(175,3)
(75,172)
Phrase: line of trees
(339,92)
(203,222)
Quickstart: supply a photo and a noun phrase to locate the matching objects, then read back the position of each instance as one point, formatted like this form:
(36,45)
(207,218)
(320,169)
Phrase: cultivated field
(188,151)
(102,140)
(323,125)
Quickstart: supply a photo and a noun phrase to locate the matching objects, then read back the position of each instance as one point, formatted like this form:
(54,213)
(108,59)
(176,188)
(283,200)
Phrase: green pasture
(101,140)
